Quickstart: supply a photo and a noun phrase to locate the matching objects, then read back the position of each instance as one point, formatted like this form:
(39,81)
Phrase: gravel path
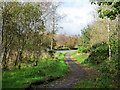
(78,73)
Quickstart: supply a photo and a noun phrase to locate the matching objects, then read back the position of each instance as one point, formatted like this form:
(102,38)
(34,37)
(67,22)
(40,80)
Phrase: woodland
(29,44)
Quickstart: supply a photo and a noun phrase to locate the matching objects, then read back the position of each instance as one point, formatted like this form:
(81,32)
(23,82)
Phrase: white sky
(78,14)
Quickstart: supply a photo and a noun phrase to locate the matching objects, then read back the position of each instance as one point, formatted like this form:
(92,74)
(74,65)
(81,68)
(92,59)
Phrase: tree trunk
(5,53)
(20,54)
(118,49)
(3,24)
(53,31)
(2,29)
(36,61)
(9,55)
(109,40)
(52,43)
(16,61)
(4,59)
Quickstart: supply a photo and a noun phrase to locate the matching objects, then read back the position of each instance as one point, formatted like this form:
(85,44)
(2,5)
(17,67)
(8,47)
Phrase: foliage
(99,48)
(66,42)
(45,69)
(110,12)
(98,55)
(86,35)
(24,31)
(108,69)
(114,44)
(81,49)
(108,72)
(81,57)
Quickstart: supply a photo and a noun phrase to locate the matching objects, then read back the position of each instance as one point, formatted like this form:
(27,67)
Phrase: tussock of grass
(45,69)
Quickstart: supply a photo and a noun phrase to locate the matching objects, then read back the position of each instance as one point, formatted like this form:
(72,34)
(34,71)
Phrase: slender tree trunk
(36,60)
(20,53)
(2,29)
(52,34)
(3,23)
(9,55)
(82,46)
(6,47)
(118,49)
(16,61)
(4,59)
(10,48)
(109,40)
(5,54)
(118,32)
(52,43)
(53,31)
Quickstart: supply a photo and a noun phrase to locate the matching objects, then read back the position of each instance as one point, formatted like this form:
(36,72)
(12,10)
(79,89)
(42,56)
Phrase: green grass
(85,84)
(102,80)
(45,69)
(81,57)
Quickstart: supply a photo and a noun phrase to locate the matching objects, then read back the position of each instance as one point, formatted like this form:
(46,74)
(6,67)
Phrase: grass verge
(80,57)
(46,69)
(87,83)
(107,77)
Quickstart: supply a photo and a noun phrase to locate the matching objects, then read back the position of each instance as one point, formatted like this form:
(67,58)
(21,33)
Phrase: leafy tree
(111,11)
(86,34)
(24,31)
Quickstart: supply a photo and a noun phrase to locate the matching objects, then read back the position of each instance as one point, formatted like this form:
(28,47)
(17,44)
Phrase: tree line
(101,40)
(26,31)
(104,27)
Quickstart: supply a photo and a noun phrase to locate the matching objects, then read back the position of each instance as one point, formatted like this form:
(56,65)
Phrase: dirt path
(78,73)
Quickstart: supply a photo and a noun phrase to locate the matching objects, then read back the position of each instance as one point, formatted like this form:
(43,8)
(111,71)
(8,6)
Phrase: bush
(109,70)
(94,46)
(81,49)
(86,50)
(98,55)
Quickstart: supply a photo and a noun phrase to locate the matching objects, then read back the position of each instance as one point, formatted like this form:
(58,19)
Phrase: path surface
(78,73)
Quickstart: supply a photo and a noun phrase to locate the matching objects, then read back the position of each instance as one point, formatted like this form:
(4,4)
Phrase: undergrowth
(108,70)
(46,69)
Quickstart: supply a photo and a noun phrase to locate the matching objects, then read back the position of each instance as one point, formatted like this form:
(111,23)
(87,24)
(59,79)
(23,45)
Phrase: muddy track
(78,73)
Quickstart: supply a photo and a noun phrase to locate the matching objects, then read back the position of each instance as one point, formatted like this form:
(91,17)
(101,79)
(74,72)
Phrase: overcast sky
(78,14)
